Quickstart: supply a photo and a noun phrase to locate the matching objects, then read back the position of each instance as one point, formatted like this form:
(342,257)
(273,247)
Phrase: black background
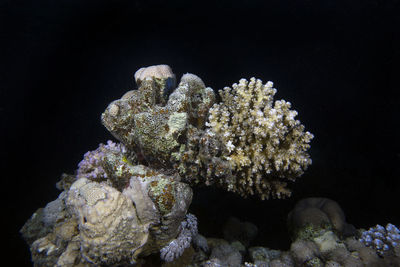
(337,62)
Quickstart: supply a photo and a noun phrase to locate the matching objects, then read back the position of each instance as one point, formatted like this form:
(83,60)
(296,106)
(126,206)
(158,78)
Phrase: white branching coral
(264,143)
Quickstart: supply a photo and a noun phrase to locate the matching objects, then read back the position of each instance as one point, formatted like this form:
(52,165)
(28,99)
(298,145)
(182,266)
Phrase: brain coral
(110,231)
(264,144)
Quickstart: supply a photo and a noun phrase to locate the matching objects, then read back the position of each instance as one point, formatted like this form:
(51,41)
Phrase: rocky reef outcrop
(129,200)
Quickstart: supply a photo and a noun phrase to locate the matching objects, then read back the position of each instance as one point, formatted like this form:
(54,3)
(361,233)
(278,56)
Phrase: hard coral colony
(131,199)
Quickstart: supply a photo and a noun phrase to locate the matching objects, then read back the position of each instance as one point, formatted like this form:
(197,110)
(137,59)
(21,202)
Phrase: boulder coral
(312,215)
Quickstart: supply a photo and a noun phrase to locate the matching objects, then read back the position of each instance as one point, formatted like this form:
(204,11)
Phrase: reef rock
(247,143)
(152,122)
(235,230)
(130,199)
(101,225)
(312,215)
(226,255)
(110,230)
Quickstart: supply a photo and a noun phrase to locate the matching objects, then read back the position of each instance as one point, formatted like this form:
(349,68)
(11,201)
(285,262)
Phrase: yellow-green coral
(263,142)
(152,120)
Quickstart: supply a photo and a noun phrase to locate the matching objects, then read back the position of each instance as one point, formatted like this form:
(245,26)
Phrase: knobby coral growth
(264,143)
(128,200)
(381,239)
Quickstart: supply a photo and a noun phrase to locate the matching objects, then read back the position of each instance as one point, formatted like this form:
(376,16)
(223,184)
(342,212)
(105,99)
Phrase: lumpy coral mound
(130,199)
(264,143)
(248,143)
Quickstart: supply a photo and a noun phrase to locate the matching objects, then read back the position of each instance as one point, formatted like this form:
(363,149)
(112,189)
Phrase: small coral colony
(130,199)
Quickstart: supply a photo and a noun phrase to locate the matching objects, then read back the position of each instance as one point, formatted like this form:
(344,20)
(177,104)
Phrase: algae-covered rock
(152,124)
(263,254)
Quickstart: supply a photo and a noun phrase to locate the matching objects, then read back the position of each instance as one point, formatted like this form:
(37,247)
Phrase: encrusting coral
(130,199)
(153,128)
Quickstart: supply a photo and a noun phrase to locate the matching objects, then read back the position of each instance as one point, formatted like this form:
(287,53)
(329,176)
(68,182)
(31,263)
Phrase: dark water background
(337,62)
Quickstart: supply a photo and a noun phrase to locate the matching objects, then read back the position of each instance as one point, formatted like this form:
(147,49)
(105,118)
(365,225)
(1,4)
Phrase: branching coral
(382,239)
(177,246)
(264,143)
(130,199)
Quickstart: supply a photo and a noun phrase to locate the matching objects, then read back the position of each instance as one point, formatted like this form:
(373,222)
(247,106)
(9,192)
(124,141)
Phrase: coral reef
(326,247)
(247,144)
(130,200)
(110,227)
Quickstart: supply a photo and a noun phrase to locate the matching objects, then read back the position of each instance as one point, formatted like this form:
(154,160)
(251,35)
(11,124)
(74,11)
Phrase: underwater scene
(221,134)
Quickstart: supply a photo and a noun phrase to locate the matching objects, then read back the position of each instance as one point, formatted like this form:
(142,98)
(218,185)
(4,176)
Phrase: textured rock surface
(263,254)
(154,128)
(110,230)
(200,242)
(226,255)
(304,251)
(54,211)
(312,215)
(35,228)
(94,223)
(320,238)
(244,232)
